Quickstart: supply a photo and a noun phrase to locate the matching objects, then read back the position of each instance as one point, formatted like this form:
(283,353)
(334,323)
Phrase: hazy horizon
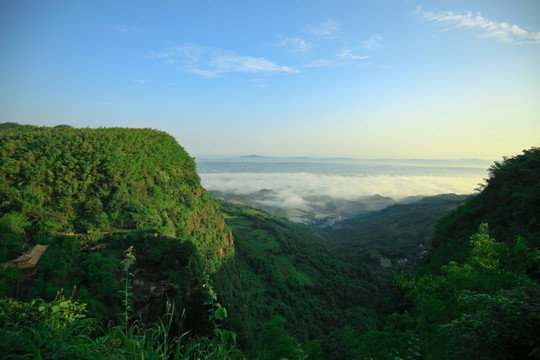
(287,158)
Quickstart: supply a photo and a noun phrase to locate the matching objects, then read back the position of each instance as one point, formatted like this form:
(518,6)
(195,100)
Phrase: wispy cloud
(373,42)
(500,31)
(211,62)
(346,53)
(343,57)
(142,81)
(204,73)
(320,63)
(295,43)
(259,82)
(186,54)
(228,61)
(326,29)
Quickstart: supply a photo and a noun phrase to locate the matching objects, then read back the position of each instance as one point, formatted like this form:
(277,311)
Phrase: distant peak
(252,156)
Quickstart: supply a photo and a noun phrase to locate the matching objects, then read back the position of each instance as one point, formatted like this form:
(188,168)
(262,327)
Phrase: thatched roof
(28,260)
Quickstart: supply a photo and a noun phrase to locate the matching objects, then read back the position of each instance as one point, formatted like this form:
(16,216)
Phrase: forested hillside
(130,231)
(478,295)
(280,270)
(90,181)
(509,203)
(397,237)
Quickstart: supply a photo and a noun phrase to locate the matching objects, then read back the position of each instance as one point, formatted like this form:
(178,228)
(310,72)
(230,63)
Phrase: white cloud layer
(373,42)
(320,63)
(500,31)
(301,185)
(346,53)
(211,62)
(295,43)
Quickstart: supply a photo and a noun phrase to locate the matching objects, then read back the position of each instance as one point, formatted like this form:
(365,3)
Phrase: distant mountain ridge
(474,162)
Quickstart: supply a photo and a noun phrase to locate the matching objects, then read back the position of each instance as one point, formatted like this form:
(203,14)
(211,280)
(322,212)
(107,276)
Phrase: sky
(360,79)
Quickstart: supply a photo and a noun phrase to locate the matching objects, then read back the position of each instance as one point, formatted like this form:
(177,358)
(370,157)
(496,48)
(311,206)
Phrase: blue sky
(377,79)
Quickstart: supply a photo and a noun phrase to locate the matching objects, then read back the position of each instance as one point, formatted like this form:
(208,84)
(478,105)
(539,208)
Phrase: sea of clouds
(294,188)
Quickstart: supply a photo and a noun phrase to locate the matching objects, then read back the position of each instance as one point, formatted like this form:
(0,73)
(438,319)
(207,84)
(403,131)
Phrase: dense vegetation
(279,269)
(478,295)
(509,202)
(138,254)
(393,239)
(90,194)
(88,181)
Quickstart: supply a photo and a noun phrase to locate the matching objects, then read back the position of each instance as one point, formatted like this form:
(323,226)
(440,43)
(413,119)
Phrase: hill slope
(509,203)
(279,269)
(397,235)
(88,181)
(478,296)
(91,194)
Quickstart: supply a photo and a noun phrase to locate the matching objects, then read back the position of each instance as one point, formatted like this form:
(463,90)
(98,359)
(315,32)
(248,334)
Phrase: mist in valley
(324,191)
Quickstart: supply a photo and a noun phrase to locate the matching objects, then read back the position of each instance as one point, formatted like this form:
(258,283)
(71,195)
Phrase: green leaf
(221,314)
(225,337)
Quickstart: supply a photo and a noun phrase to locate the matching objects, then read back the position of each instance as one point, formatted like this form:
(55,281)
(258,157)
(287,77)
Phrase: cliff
(90,181)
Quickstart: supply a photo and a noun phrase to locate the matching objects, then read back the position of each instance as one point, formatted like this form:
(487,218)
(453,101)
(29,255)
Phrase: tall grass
(59,330)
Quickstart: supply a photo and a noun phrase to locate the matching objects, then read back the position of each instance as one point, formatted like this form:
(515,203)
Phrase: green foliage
(275,343)
(58,314)
(399,235)
(127,262)
(67,180)
(477,297)
(12,236)
(47,330)
(509,202)
(223,343)
(97,284)
(92,193)
(485,308)
(56,268)
(57,330)
(7,277)
(502,325)
(280,270)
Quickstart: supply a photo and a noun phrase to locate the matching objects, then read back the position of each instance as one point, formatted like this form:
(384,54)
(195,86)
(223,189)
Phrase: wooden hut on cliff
(27,262)
(27,265)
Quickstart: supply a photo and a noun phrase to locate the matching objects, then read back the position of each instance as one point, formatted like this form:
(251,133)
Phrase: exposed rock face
(227,248)
(151,295)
